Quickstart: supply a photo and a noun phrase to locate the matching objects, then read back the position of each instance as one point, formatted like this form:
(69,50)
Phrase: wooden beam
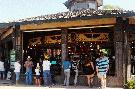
(67,24)
(6,33)
(132,20)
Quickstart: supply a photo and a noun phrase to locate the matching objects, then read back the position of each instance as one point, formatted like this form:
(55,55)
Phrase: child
(37,70)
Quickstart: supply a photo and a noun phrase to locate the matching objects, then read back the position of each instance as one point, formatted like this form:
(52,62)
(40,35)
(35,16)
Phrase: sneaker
(99,88)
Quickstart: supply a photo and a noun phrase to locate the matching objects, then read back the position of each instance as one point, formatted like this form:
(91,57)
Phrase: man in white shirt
(17,67)
(46,72)
(2,69)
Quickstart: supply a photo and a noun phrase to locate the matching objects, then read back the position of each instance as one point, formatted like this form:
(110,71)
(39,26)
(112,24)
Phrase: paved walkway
(54,87)
(4,84)
(32,87)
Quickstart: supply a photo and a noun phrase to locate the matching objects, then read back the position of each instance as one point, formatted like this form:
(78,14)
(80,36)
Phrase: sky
(20,9)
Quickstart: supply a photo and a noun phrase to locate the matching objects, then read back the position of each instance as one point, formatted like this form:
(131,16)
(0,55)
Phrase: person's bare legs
(104,79)
(38,81)
(101,80)
(90,79)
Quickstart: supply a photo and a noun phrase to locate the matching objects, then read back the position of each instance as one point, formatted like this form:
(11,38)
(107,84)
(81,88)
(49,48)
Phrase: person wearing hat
(102,66)
(28,65)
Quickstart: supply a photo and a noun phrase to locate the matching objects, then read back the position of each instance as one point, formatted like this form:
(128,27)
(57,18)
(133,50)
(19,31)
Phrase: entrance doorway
(84,43)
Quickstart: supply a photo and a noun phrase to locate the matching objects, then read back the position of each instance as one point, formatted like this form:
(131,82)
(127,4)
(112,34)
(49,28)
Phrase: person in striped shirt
(102,66)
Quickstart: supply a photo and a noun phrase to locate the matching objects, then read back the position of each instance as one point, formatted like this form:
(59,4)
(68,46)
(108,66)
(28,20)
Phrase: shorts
(102,74)
(37,76)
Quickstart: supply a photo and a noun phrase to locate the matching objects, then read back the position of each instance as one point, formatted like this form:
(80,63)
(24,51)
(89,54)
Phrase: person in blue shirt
(66,65)
(102,66)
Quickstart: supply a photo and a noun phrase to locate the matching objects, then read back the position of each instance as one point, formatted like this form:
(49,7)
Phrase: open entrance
(7,55)
(87,43)
(84,43)
(36,44)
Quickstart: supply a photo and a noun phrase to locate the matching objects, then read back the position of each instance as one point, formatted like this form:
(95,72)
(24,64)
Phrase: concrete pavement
(54,87)
(4,84)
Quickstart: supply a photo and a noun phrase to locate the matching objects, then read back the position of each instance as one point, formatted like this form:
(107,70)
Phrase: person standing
(37,71)
(17,67)
(2,69)
(89,67)
(53,69)
(66,65)
(102,66)
(46,72)
(75,64)
(28,65)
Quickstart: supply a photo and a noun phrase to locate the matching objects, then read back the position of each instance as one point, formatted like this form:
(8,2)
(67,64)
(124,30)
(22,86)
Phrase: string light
(90,45)
(97,46)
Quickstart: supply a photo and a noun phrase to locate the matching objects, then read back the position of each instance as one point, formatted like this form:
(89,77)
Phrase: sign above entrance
(85,37)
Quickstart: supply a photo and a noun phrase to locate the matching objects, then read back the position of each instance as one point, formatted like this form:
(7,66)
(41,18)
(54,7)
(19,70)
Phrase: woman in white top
(37,71)
(17,67)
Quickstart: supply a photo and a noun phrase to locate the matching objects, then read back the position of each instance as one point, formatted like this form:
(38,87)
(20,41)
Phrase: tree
(111,7)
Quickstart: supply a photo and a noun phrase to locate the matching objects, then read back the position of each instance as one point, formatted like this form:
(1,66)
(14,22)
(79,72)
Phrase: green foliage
(131,84)
(111,7)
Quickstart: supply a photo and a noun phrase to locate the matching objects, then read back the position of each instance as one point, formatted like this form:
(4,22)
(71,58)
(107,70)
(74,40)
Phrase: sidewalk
(54,87)
(5,84)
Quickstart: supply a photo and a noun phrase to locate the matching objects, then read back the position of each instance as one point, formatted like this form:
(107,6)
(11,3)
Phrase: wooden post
(125,49)
(121,53)
(64,38)
(128,63)
(17,41)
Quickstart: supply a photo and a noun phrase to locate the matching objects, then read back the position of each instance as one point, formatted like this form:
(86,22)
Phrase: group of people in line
(102,66)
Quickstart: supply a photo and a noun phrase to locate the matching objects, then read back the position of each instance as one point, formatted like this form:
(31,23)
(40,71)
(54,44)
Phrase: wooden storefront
(120,23)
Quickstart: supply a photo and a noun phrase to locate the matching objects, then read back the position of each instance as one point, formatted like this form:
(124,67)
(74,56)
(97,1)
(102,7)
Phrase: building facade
(79,33)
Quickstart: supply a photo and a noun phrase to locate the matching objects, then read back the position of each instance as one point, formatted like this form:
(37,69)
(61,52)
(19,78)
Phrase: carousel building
(79,32)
